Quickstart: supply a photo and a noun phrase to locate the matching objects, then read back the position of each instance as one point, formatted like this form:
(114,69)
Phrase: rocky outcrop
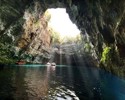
(36,37)
(101,23)
(28,35)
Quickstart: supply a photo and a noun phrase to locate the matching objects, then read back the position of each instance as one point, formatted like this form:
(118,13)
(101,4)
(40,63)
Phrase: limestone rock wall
(36,37)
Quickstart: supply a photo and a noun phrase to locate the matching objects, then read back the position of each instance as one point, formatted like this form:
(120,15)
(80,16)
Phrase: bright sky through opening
(61,23)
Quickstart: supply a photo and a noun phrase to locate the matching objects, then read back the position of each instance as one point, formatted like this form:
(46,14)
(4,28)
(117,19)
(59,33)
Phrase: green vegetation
(47,16)
(7,60)
(67,39)
(87,47)
(110,61)
(105,55)
(6,54)
(55,36)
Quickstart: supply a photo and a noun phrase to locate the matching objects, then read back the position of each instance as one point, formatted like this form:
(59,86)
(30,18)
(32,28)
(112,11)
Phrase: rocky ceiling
(105,17)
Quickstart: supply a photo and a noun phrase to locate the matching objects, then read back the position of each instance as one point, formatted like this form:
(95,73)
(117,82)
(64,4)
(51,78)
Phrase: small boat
(21,62)
(48,64)
(51,64)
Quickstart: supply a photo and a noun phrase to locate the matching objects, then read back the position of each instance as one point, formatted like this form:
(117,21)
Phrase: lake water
(38,82)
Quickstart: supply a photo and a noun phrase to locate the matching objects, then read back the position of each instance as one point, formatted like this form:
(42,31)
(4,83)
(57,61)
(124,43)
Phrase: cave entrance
(65,34)
(61,27)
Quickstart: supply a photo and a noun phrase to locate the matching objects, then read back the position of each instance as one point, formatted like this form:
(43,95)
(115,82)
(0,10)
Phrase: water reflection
(59,83)
(37,80)
(6,84)
(19,83)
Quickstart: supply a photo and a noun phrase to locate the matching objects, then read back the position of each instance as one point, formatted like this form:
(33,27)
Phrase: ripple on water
(61,93)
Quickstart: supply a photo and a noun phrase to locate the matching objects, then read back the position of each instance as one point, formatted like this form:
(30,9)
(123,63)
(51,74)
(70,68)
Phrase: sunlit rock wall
(35,40)
(24,32)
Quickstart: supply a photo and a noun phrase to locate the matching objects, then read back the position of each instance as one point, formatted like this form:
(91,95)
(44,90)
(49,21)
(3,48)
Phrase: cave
(29,46)
(65,36)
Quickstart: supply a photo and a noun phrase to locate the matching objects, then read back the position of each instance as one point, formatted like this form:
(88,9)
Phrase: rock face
(36,38)
(29,36)
(101,22)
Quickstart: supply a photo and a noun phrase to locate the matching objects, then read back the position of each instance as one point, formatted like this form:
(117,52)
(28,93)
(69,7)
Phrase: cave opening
(29,41)
(61,27)
(65,35)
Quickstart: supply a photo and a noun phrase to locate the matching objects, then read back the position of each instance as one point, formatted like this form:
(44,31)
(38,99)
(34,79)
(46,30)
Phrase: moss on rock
(105,55)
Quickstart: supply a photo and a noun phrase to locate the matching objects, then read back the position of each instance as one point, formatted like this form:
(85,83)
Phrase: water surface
(38,82)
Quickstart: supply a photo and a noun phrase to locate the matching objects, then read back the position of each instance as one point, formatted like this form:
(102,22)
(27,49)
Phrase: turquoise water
(39,82)
(38,65)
